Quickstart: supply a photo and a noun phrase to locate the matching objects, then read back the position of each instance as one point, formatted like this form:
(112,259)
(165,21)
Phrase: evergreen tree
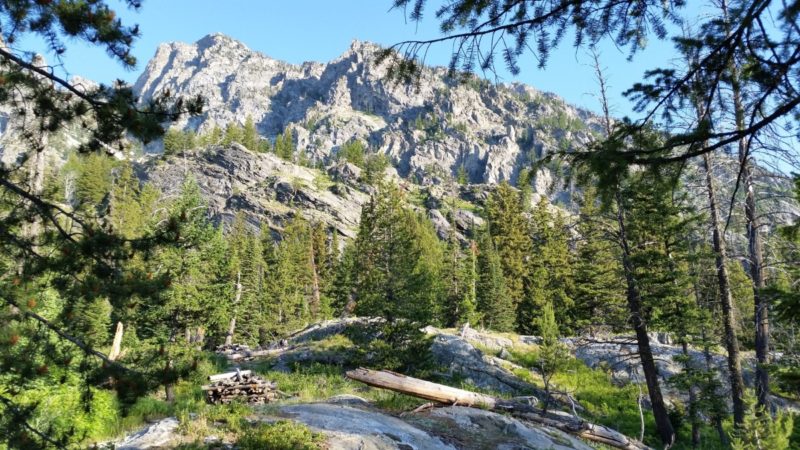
(493,302)
(550,274)
(246,280)
(353,152)
(176,141)
(524,180)
(233,133)
(250,135)
(132,205)
(762,431)
(296,279)
(459,273)
(397,261)
(212,137)
(344,282)
(553,355)
(599,292)
(194,280)
(374,167)
(285,146)
(509,230)
(93,177)
(462,177)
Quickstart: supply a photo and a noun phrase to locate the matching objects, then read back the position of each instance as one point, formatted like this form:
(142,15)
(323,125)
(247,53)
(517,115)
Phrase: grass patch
(281,435)
(322,181)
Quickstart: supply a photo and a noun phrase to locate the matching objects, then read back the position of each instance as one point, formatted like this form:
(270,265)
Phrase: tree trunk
(754,246)
(315,296)
(453,396)
(694,417)
(169,385)
(232,324)
(726,299)
(663,424)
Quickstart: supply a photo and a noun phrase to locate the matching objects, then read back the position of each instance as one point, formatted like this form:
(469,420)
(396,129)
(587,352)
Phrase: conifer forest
(394,251)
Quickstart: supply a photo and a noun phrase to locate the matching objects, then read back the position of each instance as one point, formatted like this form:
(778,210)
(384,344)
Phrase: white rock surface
(157,435)
(352,428)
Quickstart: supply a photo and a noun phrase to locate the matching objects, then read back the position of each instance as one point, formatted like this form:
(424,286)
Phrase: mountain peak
(218,40)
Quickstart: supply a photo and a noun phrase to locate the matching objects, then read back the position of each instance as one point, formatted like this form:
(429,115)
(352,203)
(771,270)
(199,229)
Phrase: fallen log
(453,396)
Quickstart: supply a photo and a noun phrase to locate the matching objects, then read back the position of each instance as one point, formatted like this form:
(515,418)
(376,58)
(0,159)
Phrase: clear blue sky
(320,30)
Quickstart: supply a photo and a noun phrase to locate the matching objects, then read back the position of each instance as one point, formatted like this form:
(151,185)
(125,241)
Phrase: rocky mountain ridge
(429,131)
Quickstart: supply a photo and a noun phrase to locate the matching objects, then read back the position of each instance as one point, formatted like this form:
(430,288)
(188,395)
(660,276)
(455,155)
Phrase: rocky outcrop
(267,189)
(347,427)
(357,426)
(270,191)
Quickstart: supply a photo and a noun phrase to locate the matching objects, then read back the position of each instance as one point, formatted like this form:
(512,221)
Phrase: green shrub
(399,346)
(281,435)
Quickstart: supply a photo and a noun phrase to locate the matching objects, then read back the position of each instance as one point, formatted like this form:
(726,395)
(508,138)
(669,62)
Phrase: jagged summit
(218,39)
(429,132)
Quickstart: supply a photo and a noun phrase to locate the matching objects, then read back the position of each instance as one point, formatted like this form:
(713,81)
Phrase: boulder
(463,360)
(345,171)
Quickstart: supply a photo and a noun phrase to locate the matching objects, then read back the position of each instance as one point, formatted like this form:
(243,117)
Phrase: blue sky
(320,30)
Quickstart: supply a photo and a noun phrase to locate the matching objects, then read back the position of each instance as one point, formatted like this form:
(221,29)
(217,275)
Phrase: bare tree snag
(232,325)
(116,345)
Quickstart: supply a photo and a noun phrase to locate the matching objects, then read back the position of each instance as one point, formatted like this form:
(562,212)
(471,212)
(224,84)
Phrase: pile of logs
(242,384)
(452,396)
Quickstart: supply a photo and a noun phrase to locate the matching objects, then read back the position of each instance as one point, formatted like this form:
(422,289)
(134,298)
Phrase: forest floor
(327,410)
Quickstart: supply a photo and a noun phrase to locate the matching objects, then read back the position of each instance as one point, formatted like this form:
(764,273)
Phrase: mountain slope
(429,131)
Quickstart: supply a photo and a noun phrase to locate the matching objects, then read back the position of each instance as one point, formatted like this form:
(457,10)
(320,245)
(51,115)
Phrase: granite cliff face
(428,131)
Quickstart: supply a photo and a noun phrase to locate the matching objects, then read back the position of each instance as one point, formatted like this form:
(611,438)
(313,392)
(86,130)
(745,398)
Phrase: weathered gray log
(226,375)
(454,396)
(116,345)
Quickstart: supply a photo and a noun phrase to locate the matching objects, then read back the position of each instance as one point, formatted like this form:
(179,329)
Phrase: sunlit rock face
(429,130)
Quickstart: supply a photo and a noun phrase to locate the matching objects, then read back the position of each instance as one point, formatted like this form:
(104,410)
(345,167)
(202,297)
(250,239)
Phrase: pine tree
(553,355)
(762,431)
(462,177)
(296,278)
(194,280)
(246,281)
(352,152)
(599,293)
(233,133)
(132,205)
(525,188)
(493,302)
(250,135)
(344,282)
(93,178)
(397,261)
(550,274)
(509,231)
(374,167)
(469,304)
(285,146)
(212,137)
(459,277)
